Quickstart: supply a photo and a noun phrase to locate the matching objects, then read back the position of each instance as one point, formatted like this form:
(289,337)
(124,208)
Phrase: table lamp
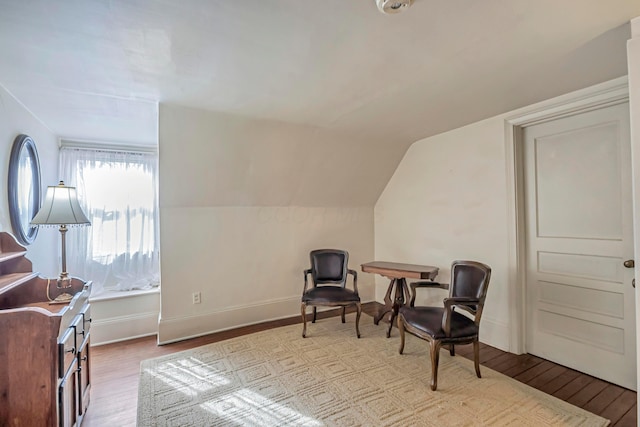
(61,207)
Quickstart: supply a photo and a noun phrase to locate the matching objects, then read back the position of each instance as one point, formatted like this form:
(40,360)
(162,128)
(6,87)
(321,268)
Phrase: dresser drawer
(86,318)
(66,350)
(82,324)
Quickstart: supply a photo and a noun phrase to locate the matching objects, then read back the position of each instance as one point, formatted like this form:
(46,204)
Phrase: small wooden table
(398,273)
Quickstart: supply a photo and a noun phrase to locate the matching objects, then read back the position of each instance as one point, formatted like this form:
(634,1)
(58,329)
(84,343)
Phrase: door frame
(606,94)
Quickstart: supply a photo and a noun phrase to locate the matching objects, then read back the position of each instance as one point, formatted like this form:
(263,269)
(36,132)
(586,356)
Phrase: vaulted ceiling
(96,69)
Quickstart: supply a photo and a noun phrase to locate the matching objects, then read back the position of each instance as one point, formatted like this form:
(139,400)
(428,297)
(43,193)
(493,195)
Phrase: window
(118,191)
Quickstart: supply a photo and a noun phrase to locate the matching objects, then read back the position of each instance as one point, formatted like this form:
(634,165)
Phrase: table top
(398,270)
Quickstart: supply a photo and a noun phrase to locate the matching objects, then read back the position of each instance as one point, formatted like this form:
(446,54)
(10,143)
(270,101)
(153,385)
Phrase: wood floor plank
(524,364)
(560,381)
(629,419)
(604,399)
(620,406)
(534,371)
(498,361)
(546,377)
(488,354)
(507,361)
(573,387)
(115,370)
(589,392)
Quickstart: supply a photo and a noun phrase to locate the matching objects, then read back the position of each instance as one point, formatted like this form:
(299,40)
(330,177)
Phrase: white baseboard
(123,328)
(185,327)
(495,333)
(124,316)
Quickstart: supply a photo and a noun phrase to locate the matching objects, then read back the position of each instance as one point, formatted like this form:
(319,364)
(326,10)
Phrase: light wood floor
(115,367)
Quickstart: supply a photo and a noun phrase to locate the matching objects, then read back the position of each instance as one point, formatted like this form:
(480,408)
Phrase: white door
(579,298)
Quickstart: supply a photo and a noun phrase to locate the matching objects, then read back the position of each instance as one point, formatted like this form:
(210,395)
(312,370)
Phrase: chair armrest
(460,300)
(449,303)
(306,273)
(355,280)
(416,285)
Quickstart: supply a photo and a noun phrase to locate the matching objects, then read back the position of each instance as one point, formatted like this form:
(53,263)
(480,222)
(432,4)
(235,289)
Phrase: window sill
(112,295)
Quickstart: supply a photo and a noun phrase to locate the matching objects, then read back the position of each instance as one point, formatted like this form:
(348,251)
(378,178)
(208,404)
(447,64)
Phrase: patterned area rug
(331,378)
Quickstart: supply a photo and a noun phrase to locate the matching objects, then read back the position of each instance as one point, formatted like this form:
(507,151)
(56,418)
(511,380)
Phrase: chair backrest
(470,279)
(329,266)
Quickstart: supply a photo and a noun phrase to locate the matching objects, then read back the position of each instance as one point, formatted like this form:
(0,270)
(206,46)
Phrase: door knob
(629,263)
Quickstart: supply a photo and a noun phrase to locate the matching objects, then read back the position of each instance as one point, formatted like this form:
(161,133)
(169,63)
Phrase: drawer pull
(71,350)
(84,358)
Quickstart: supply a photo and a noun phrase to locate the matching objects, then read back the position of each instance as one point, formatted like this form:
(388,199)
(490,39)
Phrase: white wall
(218,159)
(15,119)
(447,201)
(247,262)
(243,205)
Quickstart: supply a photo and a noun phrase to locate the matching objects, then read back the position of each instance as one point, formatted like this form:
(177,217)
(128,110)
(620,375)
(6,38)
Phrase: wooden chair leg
(476,356)
(452,349)
(435,359)
(314,314)
(344,309)
(401,329)
(303,310)
(359,312)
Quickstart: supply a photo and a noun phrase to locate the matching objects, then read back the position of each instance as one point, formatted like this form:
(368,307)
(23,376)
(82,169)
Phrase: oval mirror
(24,188)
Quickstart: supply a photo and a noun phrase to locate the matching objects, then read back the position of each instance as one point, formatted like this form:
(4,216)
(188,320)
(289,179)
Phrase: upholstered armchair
(329,272)
(443,325)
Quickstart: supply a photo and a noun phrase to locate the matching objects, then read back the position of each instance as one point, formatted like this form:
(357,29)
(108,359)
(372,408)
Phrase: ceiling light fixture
(393,6)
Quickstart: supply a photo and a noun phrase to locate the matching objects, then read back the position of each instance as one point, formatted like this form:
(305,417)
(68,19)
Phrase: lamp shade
(60,207)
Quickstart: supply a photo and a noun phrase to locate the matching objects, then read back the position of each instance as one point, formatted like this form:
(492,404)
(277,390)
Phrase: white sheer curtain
(118,192)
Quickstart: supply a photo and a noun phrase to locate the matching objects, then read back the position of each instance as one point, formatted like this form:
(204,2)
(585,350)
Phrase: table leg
(388,304)
(398,301)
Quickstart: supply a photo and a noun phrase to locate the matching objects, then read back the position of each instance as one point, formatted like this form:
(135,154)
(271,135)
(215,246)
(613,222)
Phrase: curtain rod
(106,146)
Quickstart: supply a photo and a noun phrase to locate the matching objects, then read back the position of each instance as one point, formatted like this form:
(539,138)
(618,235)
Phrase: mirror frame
(23,144)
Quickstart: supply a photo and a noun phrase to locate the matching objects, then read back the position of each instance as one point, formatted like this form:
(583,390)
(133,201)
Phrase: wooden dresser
(44,348)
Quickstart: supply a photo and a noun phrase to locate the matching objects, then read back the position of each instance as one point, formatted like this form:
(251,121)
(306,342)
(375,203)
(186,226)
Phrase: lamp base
(62,299)
(61,284)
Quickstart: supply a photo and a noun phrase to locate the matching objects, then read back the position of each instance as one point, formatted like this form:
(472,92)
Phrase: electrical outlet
(196,298)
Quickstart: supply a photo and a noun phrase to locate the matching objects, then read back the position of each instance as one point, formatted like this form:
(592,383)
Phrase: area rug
(331,378)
